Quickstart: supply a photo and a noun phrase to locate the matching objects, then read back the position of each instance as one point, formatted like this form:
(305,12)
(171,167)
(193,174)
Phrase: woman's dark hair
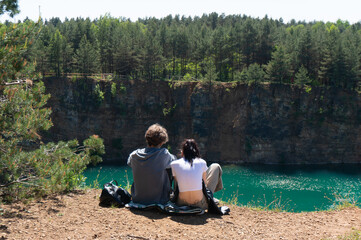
(190,150)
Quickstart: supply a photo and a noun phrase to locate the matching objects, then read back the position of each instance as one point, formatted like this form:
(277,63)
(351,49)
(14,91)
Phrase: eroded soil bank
(78,216)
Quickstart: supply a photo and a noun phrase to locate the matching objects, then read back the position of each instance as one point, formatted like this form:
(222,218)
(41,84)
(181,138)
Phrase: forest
(212,47)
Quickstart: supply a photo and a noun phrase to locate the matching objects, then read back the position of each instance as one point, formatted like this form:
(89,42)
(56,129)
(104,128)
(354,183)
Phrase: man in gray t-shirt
(150,179)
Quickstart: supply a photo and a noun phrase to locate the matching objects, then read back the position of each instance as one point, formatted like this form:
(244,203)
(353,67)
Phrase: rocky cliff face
(233,123)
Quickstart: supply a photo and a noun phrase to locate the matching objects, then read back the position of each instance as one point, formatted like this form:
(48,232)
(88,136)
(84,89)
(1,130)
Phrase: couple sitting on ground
(152,166)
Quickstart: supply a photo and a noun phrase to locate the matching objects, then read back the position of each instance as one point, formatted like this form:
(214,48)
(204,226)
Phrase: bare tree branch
(20,180)
(19,81)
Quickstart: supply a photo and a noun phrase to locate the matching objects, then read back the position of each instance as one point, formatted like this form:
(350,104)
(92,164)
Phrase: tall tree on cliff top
(278,69)
(56,42)
(29,167)
(87,57)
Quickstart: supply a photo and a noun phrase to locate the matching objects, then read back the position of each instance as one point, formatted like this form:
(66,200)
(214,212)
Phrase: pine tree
(210,72)
(152,56)
(264,43)
(278,69)
(87,57)
(249,44)
(302,77)
(106,46)
(254,74)
(28,167)
(126,59)
(56,42)
(221,52)
(327,68)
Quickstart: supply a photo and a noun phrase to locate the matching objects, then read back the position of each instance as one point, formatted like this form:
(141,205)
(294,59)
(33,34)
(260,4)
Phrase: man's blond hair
(155,135)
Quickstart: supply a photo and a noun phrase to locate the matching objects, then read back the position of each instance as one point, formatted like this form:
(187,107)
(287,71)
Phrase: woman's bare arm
(204,177)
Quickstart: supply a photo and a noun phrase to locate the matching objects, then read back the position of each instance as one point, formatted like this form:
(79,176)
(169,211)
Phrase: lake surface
(291,188)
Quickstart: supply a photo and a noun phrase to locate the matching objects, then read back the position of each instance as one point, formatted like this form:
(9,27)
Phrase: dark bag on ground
(112,195)
(212,206)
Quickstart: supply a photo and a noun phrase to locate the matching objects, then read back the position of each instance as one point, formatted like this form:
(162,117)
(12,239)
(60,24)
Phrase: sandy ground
(78,216)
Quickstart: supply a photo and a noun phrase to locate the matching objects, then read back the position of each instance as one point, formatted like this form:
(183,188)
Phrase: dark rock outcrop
(233,123)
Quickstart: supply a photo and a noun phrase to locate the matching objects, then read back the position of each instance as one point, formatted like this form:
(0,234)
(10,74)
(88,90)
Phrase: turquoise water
(291,188)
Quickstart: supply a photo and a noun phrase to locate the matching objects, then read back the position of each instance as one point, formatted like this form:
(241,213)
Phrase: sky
(308,10)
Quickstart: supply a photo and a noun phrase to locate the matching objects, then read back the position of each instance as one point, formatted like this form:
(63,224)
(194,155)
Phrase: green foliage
(109,77)
(210,71)
(87,56)
(277,204)
(308,89)
(28,167)
(302,77)
(15,40)
(343,201)
(98,94)
(113,89)
(122,88)
(278,69)
(9,6)
(74,78)
(187,77)
(168,111)
(253,74)
(234,199)
(211,47)
(94,148)
(53,168)
(55,46)
(240,76)
(355,235)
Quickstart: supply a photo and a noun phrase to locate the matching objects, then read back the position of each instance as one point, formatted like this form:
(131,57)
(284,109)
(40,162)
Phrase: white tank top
(189,177)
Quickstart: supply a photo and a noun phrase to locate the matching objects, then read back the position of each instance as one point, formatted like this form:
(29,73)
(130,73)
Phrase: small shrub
(53,168)
(234,199)
(187,77)
(113,89)
(355,235)
(73,78)
(122,88)
(99,94)
(277,205)
(342,201)
(109,77)
(167,111)
(308,89)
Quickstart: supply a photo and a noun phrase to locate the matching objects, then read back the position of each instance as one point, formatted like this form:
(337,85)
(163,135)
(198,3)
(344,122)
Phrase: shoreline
(77,215)
(289,188)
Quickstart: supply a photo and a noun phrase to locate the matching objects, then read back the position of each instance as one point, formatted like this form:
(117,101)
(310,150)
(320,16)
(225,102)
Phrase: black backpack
(112,195)
(212,206)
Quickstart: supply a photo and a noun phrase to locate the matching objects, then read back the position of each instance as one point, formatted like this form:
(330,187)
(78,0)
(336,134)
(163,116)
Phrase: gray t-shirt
(150,179)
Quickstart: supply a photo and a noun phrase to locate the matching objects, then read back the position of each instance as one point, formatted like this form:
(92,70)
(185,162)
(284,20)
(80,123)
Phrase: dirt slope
(78,216)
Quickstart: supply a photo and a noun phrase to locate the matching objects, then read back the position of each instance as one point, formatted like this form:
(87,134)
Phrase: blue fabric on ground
(169,208)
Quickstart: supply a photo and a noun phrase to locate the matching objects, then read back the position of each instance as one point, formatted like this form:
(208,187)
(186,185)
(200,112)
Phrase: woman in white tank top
(189,171)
